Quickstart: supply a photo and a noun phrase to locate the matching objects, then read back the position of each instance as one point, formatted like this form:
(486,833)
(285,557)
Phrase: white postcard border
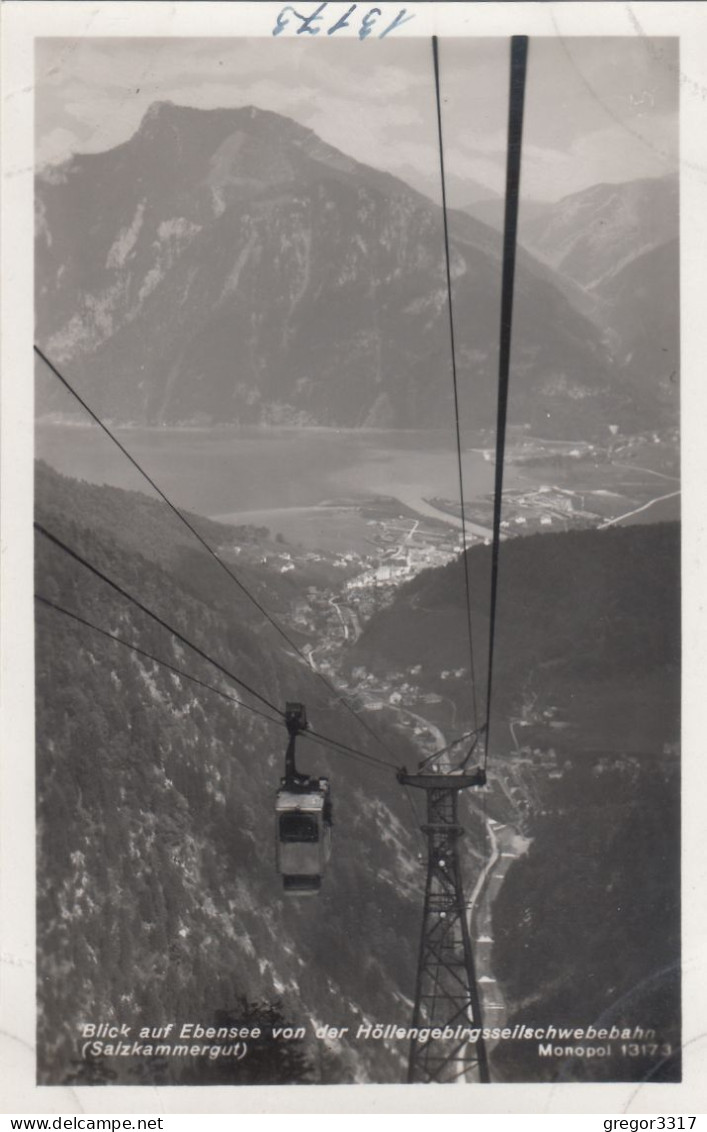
(22,23)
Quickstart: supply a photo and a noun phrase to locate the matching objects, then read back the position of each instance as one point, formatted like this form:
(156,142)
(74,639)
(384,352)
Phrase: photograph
(357,555)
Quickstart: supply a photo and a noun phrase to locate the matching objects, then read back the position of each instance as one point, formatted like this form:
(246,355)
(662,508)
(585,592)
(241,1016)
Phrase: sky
(597,110)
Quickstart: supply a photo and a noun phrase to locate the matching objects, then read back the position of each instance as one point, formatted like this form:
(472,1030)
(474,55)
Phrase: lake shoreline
(238,430)
(234,475)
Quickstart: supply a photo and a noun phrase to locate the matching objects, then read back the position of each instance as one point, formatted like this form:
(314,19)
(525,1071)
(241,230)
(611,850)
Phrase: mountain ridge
(229,265)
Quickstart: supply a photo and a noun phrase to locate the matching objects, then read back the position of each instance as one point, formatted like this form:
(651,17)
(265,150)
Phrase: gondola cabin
(303,815)
(303,818)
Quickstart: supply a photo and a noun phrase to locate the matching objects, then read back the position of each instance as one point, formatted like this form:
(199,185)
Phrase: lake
(274,477)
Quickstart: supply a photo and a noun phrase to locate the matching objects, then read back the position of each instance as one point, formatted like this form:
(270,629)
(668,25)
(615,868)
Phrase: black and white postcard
(352,403)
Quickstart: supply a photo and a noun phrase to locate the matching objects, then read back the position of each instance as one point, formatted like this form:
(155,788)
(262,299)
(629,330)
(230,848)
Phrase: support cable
(343,748)
(519,55)
(475,735)
(210,550)
(467,586)
(156,659)
(155,617)
(415,816)
(322,740)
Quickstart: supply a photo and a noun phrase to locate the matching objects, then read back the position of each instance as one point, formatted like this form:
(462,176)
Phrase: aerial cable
(519,56)
(156,659)
(344,748)
(475,735)
(155,617)
(207,546)
(467,585)
(323,740)
(415,816)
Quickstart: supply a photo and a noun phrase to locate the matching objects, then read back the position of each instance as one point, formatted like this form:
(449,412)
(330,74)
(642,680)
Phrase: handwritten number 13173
(308,24)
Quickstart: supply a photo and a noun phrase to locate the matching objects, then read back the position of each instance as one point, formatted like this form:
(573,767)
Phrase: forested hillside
(588,622)
(158,899)
(587,924)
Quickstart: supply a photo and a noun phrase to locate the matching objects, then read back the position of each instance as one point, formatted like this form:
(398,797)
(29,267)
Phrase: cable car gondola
(303,817)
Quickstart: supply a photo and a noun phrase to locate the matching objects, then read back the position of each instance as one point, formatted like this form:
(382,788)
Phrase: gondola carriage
(303,816)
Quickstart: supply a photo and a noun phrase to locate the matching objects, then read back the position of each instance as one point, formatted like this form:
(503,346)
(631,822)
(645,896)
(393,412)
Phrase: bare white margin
(22,22)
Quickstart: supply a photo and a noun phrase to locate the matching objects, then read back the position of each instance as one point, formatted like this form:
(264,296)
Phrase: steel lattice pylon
(446,997)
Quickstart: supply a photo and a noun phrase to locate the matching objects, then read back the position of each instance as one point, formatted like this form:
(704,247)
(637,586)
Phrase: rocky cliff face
(228,265)
(617,248)
(590,235)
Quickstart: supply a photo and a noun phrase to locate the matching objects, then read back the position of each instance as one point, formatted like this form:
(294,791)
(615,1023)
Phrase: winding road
(637,510)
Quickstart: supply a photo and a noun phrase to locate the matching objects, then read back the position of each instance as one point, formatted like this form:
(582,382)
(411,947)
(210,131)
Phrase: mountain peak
(156,108)
(160,113)
(164,112)
(229,264)
(275,144)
